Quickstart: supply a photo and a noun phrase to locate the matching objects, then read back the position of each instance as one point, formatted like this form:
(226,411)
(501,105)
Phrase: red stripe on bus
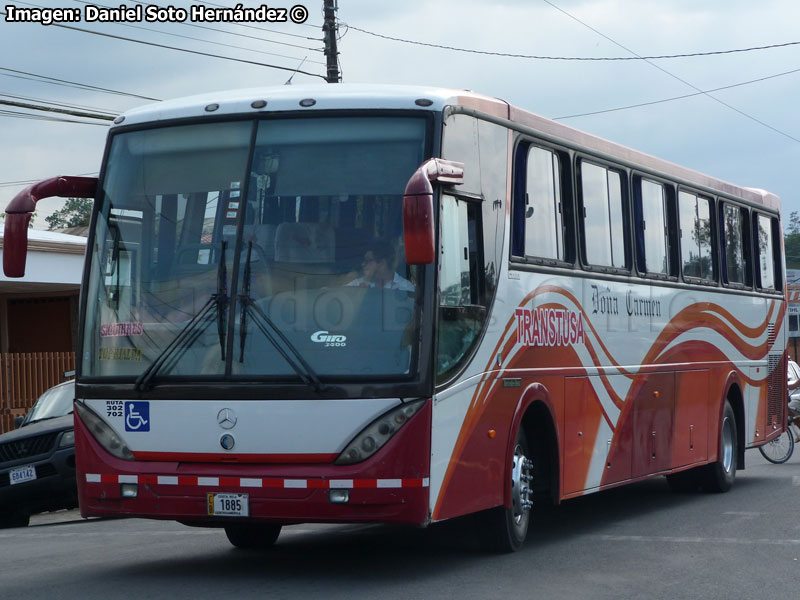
(414,483)
(365,483)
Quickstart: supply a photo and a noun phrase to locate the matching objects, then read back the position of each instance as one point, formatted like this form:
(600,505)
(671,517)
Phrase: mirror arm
(20,210)
(418,218)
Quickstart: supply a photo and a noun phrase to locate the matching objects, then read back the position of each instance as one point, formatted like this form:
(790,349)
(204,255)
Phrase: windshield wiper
(222,299)
(193,329)
(263,322)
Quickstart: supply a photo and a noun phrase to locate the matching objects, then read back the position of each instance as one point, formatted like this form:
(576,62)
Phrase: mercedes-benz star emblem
(226,418)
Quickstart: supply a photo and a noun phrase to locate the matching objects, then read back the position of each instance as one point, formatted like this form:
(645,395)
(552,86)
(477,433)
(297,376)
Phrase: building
(793,309)
(39,320)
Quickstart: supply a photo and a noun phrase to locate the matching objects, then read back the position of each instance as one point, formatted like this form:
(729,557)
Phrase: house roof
(52,241)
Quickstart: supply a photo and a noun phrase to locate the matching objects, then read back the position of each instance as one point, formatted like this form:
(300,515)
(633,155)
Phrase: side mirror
(18,421)
(418,219)
(21,207)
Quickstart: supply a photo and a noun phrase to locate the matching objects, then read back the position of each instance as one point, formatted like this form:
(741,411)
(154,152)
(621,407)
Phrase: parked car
(37,460)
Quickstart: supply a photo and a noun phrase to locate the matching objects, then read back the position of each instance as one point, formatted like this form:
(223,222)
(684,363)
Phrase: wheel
(253,536)
(779,449)
(504,529)
(720,475)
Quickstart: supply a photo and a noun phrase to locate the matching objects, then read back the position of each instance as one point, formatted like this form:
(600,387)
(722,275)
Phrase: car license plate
(228,505)
(22,474)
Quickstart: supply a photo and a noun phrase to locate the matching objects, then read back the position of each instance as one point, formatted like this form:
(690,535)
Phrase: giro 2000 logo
(330,341)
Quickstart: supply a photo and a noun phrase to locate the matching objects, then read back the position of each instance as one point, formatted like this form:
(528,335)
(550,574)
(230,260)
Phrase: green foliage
(791,241)
(76,212)
(33,218)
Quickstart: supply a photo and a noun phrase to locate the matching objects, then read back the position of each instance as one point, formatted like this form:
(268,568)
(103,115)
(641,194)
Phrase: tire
(504,529)
(253,536)
(720,475)
(15,519)
(779,449)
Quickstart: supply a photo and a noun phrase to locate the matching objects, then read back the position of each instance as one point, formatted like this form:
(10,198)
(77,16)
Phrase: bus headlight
(377,433)
(103,433)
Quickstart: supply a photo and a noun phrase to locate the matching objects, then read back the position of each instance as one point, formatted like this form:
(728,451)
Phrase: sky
(748,134)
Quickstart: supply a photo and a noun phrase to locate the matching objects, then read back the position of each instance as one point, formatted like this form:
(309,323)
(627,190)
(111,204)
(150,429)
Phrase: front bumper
(392,486)
(54,487)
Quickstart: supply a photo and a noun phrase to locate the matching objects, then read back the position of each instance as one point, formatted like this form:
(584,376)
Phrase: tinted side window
(696,244)
(736,267)
(651,227)
(462,295)
(767,269)
(539,227)
(603,216)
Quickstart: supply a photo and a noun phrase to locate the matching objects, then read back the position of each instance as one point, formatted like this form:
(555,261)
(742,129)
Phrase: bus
(400,304)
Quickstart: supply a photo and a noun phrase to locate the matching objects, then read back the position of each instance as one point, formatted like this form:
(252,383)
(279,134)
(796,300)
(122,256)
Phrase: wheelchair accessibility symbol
(137,416)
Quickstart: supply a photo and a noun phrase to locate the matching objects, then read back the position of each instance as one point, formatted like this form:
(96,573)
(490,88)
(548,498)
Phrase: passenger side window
(538,211)
(696,241)
(462,297)
(736,267)
(651,227)
(768,269)
(603,216)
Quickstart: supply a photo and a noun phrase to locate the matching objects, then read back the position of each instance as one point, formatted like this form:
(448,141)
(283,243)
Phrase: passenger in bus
(378,267)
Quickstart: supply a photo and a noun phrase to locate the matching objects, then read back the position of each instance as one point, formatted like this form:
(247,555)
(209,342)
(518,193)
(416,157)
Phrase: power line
(73,84)
(295,35)
(210,29)
(725,87)
(683,81)
(22,115)
(62,111)
(62,104)
(569,58)
(196,52)
(30,181)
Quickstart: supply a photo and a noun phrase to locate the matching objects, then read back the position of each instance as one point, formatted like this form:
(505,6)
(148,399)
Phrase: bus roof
(405,97)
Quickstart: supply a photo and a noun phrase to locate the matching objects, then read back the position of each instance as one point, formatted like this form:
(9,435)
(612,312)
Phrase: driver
(378,270)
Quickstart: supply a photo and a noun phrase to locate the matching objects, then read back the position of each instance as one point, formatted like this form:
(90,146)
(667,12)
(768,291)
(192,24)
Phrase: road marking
(696,540)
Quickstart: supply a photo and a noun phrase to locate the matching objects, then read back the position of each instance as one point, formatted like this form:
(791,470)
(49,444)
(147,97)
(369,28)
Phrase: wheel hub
(727,444)
(521,493)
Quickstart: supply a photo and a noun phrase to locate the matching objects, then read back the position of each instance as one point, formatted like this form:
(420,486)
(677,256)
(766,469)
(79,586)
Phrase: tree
(76,212)
(30,223)
(791,241)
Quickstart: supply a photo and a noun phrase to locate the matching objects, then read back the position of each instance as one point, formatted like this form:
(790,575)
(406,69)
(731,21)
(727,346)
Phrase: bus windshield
(268,250)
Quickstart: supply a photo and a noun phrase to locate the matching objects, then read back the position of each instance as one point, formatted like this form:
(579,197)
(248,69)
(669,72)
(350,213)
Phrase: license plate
(22,474)
(228,505)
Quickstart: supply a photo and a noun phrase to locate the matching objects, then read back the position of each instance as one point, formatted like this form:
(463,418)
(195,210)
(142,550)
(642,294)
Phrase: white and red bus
(398,304)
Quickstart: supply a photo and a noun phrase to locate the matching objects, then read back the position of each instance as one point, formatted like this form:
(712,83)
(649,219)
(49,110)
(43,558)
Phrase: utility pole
(329,29)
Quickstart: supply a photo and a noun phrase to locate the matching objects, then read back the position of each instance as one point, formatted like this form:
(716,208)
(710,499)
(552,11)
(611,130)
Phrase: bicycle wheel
(780,449)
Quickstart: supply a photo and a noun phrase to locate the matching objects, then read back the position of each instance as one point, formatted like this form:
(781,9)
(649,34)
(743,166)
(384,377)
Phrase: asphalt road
(640,541)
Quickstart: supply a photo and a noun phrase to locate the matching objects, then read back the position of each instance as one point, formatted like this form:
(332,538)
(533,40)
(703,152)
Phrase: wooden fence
(23,378)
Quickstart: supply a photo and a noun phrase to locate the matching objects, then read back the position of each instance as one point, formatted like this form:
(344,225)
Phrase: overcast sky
(751,136)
